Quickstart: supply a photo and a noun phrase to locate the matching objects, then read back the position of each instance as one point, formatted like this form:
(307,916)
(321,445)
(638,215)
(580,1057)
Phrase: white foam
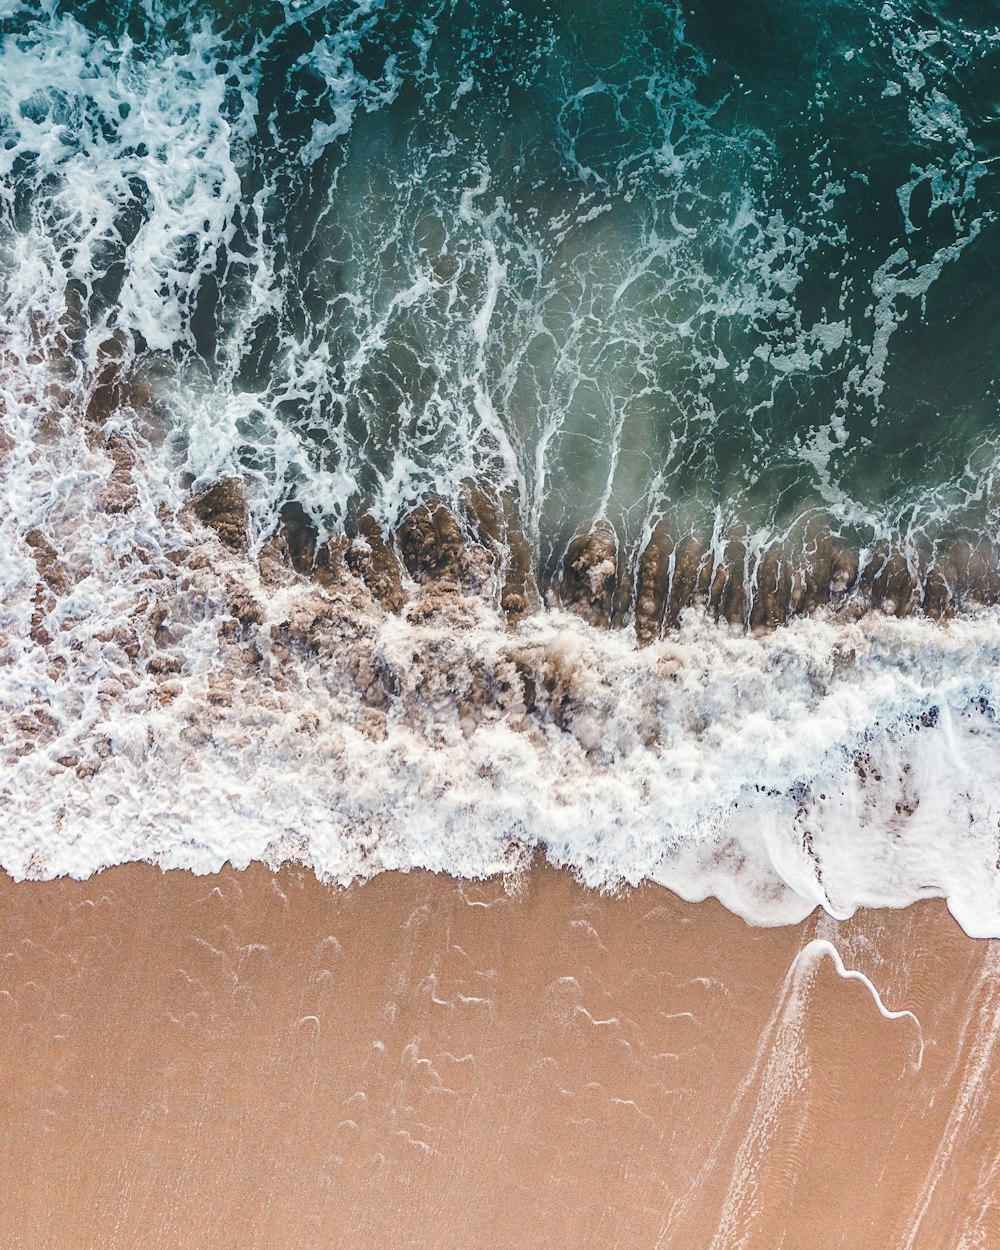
(814,951)
(777,772)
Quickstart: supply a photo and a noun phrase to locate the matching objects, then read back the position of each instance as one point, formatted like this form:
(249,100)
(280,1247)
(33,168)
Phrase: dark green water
(722,264)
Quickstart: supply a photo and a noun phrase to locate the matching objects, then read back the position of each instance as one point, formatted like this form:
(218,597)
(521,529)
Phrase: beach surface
(255,1059)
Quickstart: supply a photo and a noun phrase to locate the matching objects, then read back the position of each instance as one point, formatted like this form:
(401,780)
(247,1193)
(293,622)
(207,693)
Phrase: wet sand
(257,1060)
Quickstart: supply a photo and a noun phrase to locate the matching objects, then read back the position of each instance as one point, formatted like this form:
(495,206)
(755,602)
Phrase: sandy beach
(254,1059)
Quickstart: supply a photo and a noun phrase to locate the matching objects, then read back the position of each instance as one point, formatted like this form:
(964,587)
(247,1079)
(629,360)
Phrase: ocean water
(702,300)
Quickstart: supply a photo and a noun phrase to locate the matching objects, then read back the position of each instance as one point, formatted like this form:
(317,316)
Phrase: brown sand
(256,1060)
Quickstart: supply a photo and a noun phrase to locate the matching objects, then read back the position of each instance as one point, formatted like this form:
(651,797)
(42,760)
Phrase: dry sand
(256,1060)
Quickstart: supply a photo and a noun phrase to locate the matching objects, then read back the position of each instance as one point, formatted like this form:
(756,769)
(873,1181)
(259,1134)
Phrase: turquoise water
(720,265)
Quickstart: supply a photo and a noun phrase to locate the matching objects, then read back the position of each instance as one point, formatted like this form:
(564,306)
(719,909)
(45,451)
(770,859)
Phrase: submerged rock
(371,558)
(728,594)
(321,560)
(432,543)
(497,527)
(222,507)
(691,576)
(478,552)
(981,583)
(119,493)
(50,569)
(893,586)
(652,586)
(301,537)
(590,574)
(772,589)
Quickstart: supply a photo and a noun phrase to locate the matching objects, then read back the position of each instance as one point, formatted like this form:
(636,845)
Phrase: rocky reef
(478,548)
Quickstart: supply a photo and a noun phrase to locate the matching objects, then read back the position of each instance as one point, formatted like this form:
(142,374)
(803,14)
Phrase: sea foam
(169,698)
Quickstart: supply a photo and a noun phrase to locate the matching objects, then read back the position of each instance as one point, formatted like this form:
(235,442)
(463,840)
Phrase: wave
(170,697)
(359,367)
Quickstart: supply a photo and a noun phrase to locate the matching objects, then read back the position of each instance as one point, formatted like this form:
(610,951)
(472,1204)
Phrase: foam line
(815,950)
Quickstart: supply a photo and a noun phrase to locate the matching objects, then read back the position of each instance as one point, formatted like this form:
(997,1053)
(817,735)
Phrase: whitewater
(427,444)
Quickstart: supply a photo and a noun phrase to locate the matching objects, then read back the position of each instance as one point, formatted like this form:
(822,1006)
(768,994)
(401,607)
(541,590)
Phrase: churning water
(498,323)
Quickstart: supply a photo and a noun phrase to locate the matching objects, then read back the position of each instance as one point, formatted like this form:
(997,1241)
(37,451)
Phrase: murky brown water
(256,1060)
